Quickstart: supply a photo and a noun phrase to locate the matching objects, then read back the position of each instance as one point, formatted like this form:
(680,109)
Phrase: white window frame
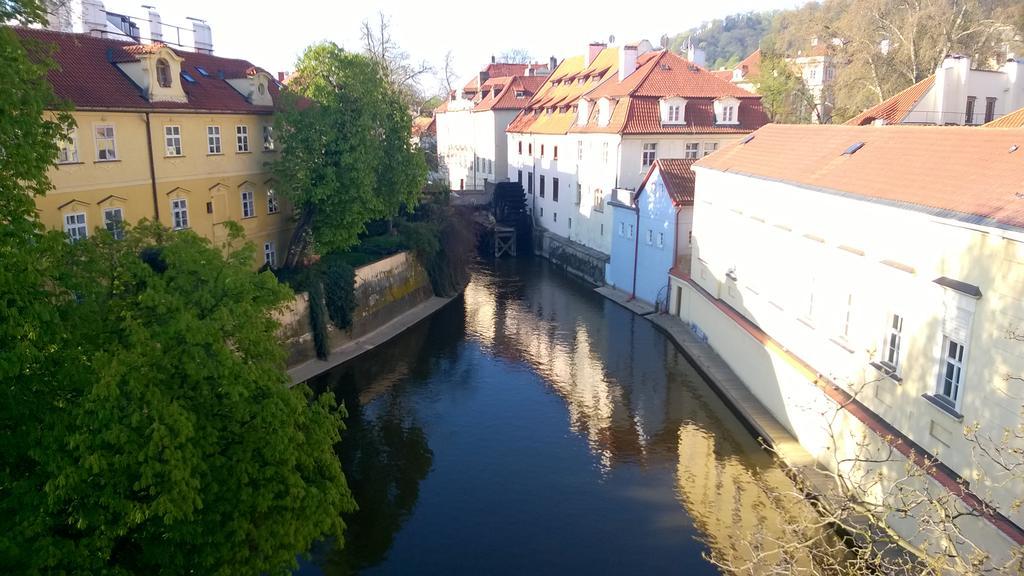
(248,204)
(691,150)
(242,138)
(604,152)
(952,366)
(114,225)
(579,151)
(661,239)
(650,237)
(213,140)
(598,200)
(648,154)
(269,254)
(709,148)
(172,141)
(67,149)
(892,344)
(179,213)
(76,226)
(622,229)
(102,134)
(273,205)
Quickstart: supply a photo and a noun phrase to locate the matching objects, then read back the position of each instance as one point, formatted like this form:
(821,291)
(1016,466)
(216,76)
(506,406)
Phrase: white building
(599,123)
(882,263)
(955,94)
(471,140)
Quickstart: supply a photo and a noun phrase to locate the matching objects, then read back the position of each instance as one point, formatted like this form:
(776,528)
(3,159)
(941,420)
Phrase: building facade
(955,94)
(471,141)
(599,123)
(651,231)
(163,134)
(882,263)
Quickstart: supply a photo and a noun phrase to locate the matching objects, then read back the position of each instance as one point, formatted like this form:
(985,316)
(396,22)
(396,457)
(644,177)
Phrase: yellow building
(181,137)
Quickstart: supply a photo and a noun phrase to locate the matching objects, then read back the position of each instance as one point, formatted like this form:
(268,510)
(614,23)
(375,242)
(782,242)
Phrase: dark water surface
(534,427)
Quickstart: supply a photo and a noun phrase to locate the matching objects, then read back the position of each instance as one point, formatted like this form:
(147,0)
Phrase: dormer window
(163,73)
(604,111)
(673,110)
(583,112)
(727,110)
(520,93)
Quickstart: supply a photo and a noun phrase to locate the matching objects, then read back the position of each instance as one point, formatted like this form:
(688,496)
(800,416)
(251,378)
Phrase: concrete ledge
(367,342)
(619,297)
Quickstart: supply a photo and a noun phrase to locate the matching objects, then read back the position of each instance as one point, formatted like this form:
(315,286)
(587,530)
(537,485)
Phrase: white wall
(955,81)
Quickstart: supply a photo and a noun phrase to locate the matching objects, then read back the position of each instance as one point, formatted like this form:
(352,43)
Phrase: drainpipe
(152,169)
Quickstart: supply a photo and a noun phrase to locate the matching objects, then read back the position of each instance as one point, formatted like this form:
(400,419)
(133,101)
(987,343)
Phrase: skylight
(202,71)
(852,149)
(188,77)
(747,139)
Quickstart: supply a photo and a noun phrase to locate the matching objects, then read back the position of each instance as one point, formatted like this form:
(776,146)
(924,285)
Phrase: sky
(274,37)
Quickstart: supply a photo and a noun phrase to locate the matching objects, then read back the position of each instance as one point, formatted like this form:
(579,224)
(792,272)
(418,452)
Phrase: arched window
(163,73)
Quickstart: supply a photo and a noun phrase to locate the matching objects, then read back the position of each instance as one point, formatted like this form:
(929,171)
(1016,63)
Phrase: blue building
(651,233)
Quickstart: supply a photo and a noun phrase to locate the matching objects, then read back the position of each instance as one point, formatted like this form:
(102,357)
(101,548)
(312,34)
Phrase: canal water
(534,427)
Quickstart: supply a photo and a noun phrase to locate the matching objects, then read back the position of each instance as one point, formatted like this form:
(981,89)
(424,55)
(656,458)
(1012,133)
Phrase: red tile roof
(723,74)
(895,109)
(958,172)
(422,125)
(1012,120)
(677,176)
(751,65)
(88,77)
(644,117)
(496,69)
(506,98)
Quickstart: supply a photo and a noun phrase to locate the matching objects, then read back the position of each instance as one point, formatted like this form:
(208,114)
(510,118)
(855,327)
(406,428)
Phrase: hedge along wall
(384,290)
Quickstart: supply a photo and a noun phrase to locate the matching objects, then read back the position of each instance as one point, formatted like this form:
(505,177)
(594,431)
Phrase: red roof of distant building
(88,77)
(494,70)
(895,109)
(508,93)
(957,172)
(1012,120)
(423,125)
(751,65)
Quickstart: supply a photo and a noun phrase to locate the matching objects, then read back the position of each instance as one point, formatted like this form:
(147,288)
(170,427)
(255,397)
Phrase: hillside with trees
(725,41)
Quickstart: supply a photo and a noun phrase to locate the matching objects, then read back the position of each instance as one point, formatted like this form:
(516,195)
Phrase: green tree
(784,95)
(169,442)
(346,154)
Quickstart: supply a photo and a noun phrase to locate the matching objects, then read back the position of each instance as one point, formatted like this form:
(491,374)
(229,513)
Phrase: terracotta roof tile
(678,177)
(562,90)
(88,77)
(895,109)
(1012,120)
(751,65)
(507,98)
(645,118)
(956,171)
(423,125)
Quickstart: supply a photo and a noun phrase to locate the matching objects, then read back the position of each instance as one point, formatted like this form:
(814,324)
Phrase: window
(163,73)
(520,147)
(519,176)
(554,189)
(541,211)
(650,151)
(692,150)
(529,182)
(213,139)
(67,150)
(106,147)
(541,185)
(951,377)
(710,147)
(990,109)
(188,77)
(541,150)
(554,216)
(242,138)
(530,149)
(113,219)
(579,151)
(650,237)
(554,154)
(891,346)
(598,200)
(969,114)
(268,137)
(630,235)
(202,71)
(570,223)
(622,228)
(248,205)
(172,140)
(272,206)
(179,213)
(604,152)
(661,239)
(844,321)
(520,94)
(74,226)
(269,254)
(728,114)
(579,193)
(674,112)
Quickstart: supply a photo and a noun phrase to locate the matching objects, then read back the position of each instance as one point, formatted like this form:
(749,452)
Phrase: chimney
(627,60)
(152,30)
(94,17)
(492,59)
(281,76)
(696,56)
(202,36)
(593,49)
(481,78)
(552,64)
